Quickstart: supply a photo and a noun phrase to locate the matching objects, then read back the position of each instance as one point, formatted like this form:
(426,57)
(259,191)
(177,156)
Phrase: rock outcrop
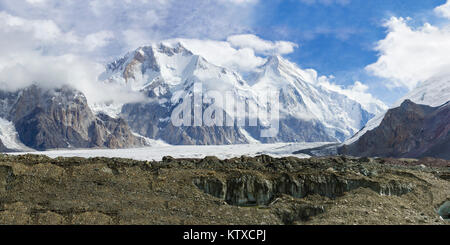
(252,190)
(153,121)
(61,118)
(411,130)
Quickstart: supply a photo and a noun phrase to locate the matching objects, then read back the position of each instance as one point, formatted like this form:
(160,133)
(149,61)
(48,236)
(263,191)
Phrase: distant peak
(273,60)
(407,102)
(409,105)
(273,63)
(176,48)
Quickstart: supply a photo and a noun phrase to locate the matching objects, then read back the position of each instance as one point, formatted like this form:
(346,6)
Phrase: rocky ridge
(61,118)
(411,130)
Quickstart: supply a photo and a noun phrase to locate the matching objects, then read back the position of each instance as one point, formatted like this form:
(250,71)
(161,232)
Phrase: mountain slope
(61,118)
(309,112)
(303,99)
(410,130)
(434,92)
(3,148)
(10,137)
(160,72)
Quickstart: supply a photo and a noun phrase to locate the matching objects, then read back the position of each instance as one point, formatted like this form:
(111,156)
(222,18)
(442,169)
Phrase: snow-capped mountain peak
(148,64)
(168,66)
(161,69)
(280,66)
(302,97)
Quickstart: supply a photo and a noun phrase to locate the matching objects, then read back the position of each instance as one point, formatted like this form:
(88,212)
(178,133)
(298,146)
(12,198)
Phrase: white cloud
(45,34)
(42,30)
(444,10)
(36,1)
(408,55)
(38,51)
(240,1)
(55,42)
(66,42)
(222,53)
(326,2)
(98,40)
(55,71)
(358,92)
(261,46)
(150,19)
(240,52)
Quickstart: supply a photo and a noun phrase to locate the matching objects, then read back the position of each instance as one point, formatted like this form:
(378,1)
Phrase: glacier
(157,152)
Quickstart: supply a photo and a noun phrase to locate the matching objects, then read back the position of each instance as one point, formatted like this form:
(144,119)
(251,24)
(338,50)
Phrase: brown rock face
(61,118)
(411,130)
(145,119)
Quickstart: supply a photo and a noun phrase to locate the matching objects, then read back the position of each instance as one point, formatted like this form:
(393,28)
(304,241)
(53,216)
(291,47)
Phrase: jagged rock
(250,190)
(212,186)
(444,210)
(61,118)
(153,120)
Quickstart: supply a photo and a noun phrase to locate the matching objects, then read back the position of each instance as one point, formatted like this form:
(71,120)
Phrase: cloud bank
(358,92)
(240,52)
(54,42)
(443,10)
(138,22)
(410,55)
(262,46)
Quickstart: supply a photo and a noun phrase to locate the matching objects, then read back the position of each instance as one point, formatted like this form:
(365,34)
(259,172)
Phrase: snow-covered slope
(303,98)
(160,67)
(163,69)
(434,92)
(357,92)
(9,136)
(370,125)
(308,111)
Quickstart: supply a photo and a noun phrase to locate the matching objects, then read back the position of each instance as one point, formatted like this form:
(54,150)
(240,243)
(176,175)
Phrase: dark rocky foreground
(261,190)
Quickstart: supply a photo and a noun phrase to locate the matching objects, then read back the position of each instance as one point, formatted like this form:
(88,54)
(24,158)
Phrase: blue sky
(339,39)
(334,37)
(388,46)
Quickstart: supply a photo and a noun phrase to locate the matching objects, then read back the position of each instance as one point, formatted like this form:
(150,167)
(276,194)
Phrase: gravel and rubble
(239,191)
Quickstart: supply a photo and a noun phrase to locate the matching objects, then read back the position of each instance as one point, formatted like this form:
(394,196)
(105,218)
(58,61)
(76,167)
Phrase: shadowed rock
(411,131)
(61,118)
